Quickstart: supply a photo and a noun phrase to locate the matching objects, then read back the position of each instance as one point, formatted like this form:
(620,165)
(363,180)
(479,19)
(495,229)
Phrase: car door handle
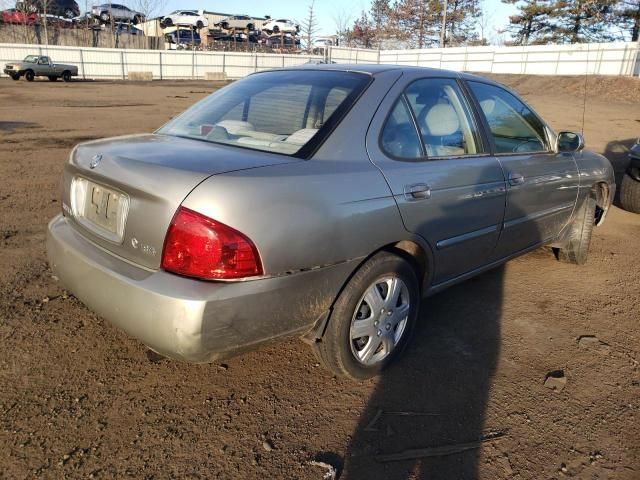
(516,179)
(417,191)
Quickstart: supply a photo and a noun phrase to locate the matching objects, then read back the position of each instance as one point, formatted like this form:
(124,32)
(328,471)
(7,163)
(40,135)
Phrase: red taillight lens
(197,246)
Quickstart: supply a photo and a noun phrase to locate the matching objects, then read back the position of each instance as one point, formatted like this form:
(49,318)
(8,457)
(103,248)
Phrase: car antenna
(584,99)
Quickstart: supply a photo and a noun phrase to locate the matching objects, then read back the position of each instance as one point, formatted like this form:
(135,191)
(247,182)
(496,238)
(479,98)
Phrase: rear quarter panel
(329,209)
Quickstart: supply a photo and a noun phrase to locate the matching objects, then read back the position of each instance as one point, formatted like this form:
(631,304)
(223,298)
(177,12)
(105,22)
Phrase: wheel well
(601,191)
(407,249)
(415,255)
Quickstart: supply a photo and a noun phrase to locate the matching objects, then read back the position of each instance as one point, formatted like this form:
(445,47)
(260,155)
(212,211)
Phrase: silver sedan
(323,202)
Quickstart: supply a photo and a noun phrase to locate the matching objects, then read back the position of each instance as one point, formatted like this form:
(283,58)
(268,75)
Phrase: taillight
(197,246)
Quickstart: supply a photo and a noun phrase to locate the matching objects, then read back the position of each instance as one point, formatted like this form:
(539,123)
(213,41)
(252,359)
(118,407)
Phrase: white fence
(108,63)
(579,59)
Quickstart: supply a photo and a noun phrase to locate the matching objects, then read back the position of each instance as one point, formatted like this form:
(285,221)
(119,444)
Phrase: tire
(15,77)
(630,194)
(136,20)
(199,25)
(250,27)
(68,13)
(29,75)
(104,16)
(276,29)
(53,78)
(225,25)
(66,76)
(576,249)
(346,354)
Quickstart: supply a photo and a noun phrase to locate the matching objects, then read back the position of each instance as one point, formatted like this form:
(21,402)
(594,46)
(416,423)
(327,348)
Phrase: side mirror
(569,142)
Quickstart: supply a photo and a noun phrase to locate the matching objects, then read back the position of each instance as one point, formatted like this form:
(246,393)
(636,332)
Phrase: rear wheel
(276,29)
(576,248)
(68,13)
(66,76)
(372,320)
(199,25)
(104,16)
(630,194)
(29,75)
(136,20)
(53,78)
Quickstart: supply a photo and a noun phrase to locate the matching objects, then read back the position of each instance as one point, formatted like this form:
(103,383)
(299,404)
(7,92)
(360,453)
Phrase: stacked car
(193,18)
(180,28)
(108,12)
(58,8)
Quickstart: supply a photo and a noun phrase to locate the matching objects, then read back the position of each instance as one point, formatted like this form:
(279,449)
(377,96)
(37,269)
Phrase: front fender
(596,173)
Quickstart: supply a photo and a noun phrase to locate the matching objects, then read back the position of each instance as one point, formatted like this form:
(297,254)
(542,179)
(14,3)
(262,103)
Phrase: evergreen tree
(462,18)
(363,32)
(533,23)
(581,21)
(417,22)
(628,17)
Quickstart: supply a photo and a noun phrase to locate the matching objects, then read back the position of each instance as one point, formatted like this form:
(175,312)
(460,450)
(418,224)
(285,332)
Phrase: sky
(326,10)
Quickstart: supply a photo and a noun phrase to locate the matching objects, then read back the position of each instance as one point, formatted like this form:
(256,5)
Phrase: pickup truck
(40,66)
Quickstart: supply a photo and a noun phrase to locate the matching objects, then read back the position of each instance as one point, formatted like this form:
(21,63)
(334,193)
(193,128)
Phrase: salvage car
(17,17)
(185,17)
(116,12)
(630,187)
(321,201)
(60,8)
(240,22)
(40,66)
(280,26)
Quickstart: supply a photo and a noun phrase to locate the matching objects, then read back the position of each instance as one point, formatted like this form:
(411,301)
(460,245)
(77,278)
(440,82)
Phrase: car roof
(374,68)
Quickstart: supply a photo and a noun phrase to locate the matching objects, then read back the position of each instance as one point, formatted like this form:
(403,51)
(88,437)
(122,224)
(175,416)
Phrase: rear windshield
(288,112)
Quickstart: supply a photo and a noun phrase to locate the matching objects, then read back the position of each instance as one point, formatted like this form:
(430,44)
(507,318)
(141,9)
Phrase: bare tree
(45,20)
(443,29)
(149,8)
(485,19)
(342,20)
(309,27)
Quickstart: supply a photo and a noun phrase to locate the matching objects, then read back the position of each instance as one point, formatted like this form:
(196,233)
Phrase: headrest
(301,136)
(236,127)
(488,105)
(442,120)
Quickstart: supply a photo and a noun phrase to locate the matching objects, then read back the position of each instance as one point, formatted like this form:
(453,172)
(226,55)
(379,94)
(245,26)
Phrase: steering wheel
(522,146)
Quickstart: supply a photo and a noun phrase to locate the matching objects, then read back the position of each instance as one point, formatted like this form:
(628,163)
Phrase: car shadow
(436,394)
(617,152)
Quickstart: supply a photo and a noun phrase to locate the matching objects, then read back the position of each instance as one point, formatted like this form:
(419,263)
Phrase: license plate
(99,208)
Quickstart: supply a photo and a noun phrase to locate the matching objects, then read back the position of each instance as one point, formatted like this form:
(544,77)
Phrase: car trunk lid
(122,193)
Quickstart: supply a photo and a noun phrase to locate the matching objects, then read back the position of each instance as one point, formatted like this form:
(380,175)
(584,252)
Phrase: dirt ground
(80,399)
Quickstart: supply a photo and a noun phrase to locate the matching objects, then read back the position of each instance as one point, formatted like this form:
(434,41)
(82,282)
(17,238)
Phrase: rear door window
(446,125)
(399,137)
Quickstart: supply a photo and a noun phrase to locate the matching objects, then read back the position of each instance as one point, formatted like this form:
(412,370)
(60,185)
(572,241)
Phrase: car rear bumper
(188,319)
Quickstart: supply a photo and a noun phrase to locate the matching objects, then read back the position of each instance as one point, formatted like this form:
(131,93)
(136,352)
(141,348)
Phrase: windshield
(31,59)
(288,112)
